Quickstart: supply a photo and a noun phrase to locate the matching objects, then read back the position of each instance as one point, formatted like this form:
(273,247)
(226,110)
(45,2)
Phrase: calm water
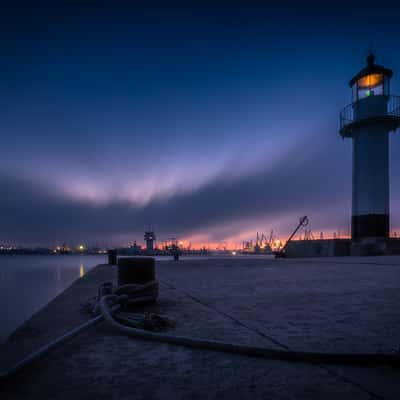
(27,283)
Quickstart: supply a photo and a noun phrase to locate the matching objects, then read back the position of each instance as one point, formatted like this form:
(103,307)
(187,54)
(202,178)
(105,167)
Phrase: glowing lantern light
(370,81)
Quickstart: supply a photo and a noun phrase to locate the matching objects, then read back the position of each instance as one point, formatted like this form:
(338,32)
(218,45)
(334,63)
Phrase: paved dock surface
(331,304)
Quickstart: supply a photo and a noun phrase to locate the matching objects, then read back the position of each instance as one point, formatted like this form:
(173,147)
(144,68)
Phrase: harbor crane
(302,223)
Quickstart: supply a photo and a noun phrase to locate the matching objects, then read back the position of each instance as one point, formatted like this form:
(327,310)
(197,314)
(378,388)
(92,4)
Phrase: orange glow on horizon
(238,245)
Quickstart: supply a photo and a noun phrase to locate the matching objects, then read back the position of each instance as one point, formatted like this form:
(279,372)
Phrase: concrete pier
(320,304)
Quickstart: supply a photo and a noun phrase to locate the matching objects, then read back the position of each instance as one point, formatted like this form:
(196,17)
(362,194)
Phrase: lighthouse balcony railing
(392,111)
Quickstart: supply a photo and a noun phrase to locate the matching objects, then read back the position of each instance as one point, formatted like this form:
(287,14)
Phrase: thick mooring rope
(109,306)
(364,359)
(126,294)
(52,345)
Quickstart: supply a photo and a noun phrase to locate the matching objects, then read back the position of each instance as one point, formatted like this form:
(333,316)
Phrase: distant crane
(271,238)
(302,223)
(308,235)
(261,245)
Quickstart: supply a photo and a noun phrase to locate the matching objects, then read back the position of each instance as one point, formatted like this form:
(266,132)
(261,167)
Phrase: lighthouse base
(375,246)
(369,226)
(343,247)
(369,234)
(370,246)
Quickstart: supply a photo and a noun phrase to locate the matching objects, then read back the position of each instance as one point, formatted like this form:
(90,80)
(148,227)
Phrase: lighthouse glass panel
(369,85)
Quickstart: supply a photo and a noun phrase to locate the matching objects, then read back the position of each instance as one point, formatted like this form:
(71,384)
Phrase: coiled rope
(111,301)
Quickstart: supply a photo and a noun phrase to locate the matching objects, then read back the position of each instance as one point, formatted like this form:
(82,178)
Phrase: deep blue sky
(208,122)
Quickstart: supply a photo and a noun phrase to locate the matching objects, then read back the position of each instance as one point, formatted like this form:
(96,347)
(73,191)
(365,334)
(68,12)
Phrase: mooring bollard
(112,257)
(136,270)
(137,275)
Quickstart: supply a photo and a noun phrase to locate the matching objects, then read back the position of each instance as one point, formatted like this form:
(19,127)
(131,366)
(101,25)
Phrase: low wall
(318,248)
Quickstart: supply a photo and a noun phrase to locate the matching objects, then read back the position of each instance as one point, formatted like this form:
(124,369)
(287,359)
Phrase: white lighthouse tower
(373,113)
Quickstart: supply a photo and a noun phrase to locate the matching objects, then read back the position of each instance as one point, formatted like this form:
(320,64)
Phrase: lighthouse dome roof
(371,68)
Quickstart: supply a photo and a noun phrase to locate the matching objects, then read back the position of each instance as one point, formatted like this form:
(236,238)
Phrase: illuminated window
(370,85)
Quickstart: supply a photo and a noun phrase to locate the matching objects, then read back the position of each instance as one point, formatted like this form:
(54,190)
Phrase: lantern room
(373,80)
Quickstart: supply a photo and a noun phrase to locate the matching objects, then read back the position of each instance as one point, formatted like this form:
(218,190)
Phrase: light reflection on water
(27,283)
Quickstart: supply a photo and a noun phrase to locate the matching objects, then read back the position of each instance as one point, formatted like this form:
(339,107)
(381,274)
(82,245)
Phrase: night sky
(208,123)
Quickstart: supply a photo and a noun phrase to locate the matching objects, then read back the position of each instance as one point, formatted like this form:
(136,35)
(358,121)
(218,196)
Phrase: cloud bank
(312,179)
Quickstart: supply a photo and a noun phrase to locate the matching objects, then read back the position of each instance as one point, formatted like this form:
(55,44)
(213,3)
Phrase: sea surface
(28,282)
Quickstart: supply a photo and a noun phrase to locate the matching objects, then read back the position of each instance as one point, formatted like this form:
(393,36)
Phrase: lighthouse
(149,238)
(368,120)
